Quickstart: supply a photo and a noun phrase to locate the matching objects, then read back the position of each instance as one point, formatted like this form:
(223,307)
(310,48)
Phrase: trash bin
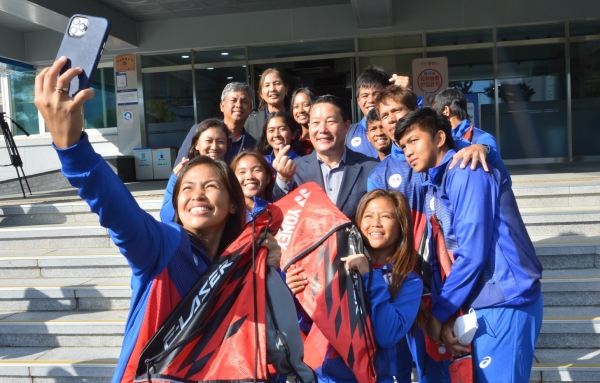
(143,164)
(163,161)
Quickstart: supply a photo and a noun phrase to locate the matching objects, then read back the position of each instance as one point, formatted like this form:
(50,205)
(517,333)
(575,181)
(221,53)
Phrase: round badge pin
(395,180)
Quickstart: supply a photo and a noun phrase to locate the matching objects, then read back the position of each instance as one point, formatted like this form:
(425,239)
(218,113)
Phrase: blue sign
(473,108)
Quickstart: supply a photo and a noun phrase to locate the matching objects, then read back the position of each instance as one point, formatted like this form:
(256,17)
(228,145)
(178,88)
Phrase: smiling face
(279,134)
(422,151)
(366,98)
(378,137)
(212,143)
(301,108)
(327,129)
(273,90)
(236,107)
(379,225)
(203,203)
(390,112)
(252,176)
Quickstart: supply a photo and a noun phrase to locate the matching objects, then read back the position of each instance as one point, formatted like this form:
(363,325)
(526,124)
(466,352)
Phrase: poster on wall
(125,63)
(127,97)
(430,75)
(128,115)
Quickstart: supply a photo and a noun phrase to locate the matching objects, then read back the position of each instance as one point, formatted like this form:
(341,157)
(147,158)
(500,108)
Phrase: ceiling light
(210,68)
(243,66)
(230,78)
(224,53)
(185,57)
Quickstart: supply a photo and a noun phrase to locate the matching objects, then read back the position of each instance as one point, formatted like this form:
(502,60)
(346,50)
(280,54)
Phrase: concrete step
(65,294)
(557,194)
(560,224)
(58,365)
(54,236)
(566,365)
(46,263)
(560,255)
(565,333)
(27,214)
(571,288)
(60,329)
(96,365)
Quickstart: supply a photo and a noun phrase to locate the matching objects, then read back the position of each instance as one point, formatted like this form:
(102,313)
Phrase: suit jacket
(255,123)
(354,181)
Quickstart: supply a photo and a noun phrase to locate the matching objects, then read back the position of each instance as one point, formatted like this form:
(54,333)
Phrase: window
(23,110)
(532,97)
(300,49)
(169,107)
(585,95)
(392,42)
(472,72)
(476,36)
(100,112)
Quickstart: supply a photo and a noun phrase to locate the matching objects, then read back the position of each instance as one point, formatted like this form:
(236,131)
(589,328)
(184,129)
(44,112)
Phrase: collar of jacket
(436,174)
(397,152)
(461,128)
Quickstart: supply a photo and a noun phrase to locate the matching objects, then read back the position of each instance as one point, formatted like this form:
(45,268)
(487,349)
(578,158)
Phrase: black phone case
(84,52)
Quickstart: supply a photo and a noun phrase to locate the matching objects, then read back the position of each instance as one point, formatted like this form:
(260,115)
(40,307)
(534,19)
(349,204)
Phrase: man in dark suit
(341,172)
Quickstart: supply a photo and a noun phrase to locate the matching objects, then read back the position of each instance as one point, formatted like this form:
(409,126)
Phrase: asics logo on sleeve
(485,362)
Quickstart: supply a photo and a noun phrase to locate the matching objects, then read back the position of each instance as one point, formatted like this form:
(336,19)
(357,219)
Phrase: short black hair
(372,116)
(371,77)
(335,101)
(428,120)
(453,99)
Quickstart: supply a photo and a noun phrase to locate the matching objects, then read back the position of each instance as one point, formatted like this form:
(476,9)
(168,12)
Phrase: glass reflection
(585,95)
(169,107)
(532,97)
(24,111)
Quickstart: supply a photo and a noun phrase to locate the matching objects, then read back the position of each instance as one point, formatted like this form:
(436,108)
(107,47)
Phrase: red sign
(429,81)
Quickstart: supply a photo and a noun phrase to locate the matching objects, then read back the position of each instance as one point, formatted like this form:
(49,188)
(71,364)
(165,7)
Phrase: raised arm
(147,244)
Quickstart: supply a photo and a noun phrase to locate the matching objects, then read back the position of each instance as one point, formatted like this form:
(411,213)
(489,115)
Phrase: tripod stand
(13,152)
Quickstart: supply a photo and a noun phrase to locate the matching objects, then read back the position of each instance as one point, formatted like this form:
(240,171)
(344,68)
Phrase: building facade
(530,69)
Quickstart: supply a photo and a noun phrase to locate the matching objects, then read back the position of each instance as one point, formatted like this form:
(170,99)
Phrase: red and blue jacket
(495,264)
(164,262)
(469,132)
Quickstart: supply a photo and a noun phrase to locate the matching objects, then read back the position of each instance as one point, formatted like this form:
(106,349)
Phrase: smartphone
(82,45)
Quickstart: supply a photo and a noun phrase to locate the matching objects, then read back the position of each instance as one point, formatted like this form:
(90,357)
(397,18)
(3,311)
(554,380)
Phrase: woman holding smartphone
(166,259)
(384,220)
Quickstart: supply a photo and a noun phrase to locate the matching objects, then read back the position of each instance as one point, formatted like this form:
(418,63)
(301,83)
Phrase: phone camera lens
(73,30)
(82,27)
(76,21)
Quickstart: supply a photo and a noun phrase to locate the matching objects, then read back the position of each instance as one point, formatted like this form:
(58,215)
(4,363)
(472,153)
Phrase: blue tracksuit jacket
(495,262)
(165,263)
